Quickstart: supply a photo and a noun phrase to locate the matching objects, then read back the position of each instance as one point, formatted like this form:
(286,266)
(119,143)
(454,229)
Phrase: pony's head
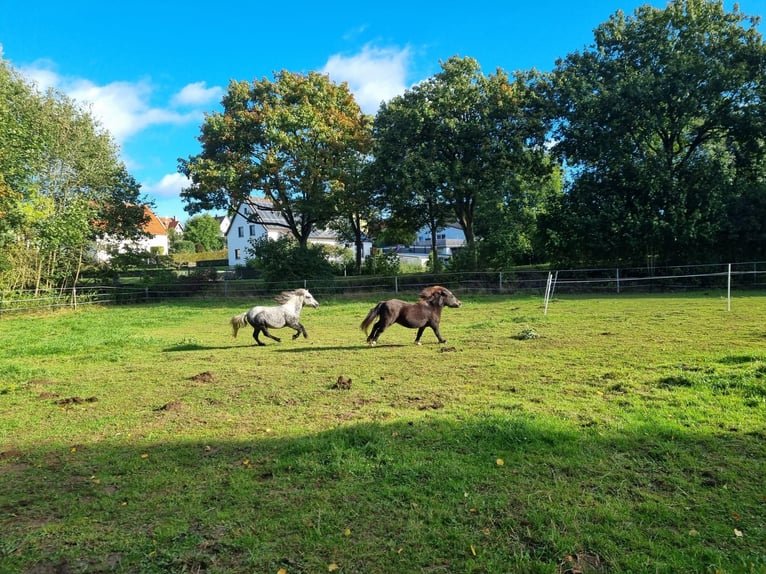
(308,298)
(440,296)
(301,295)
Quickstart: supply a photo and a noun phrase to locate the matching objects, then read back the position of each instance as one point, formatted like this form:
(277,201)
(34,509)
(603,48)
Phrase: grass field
(614,434)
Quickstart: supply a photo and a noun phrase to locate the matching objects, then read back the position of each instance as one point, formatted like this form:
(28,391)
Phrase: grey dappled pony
(426,312)
(288,314)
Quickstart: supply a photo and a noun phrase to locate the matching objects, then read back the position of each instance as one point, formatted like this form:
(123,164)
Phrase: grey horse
(287,314)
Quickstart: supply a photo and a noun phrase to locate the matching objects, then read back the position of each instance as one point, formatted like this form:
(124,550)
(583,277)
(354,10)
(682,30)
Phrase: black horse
(426,312)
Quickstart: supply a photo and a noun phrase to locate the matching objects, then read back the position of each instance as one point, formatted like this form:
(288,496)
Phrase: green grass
(615,434)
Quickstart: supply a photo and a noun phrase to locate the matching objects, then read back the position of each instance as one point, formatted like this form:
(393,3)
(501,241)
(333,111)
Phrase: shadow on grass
(183,347)
(358,347)
(484,494)
(188,347)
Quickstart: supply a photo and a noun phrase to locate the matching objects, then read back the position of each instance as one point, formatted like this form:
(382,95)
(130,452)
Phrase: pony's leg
(300,329)
(269,335)
(438,334)
(420,333)
(256,331)
(377,331)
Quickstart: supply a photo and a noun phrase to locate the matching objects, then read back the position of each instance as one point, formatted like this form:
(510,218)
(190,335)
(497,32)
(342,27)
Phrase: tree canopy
(204,232)
(661,125)
(61,186)
(289,139)
(453,141)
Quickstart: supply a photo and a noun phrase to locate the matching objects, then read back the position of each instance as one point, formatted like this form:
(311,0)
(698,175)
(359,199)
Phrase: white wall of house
(107,246)
(450,236)
(241,232)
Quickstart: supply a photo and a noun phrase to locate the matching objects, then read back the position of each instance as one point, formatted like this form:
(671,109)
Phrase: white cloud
(374,75)
(169,186)
(123,108)
(197,94)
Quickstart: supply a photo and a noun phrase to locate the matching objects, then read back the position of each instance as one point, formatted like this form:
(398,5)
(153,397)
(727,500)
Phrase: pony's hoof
(418,343)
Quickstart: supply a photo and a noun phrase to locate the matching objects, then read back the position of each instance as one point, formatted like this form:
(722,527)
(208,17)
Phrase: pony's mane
(285,296)
(429,292)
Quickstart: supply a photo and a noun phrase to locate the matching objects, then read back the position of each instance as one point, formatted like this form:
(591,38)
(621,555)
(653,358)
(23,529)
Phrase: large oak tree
(661,123)
(289,139)
(453,141)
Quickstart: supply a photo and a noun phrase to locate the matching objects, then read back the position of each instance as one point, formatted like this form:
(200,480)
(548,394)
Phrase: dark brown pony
(426,312)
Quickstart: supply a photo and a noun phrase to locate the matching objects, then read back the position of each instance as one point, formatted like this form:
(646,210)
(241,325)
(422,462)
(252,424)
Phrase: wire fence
(730,277)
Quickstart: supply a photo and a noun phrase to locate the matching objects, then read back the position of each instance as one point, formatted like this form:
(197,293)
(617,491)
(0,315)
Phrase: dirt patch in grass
(206,377)
(75,401)
(173,406)
(582,563)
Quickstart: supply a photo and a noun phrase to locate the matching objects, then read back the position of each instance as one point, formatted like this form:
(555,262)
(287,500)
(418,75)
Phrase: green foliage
(284,260)
(382,263)
(293,139)
(661,121)
(204,232)
(62,186)
(183,247)
(451,140)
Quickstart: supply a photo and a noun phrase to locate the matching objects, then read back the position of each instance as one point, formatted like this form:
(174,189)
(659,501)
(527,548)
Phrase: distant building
(448,239)
(171,223)
(155,242)
(256,218)
(223,223)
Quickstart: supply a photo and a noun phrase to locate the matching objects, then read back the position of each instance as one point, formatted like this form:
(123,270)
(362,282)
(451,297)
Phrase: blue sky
(150,70)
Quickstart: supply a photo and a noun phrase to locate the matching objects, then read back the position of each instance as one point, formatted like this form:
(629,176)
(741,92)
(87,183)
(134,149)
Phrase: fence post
(548,292)
(500,283)
(728,290)
(618,280)
(396,284)
(74,298)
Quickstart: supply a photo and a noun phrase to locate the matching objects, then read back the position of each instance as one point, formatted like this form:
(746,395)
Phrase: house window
(237,254)
(252,230)
(240,231)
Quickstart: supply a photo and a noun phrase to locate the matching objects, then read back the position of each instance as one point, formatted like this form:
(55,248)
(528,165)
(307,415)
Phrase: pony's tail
(374,312)
(237,322)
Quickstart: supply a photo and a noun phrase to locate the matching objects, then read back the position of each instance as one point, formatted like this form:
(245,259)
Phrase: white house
(447,239)
(223,223)
(155,242)
(257,218)
(253,219)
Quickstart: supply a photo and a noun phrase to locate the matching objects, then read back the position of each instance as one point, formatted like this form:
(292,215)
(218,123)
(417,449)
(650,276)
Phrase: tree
(61,186)
(453,138)
(204,232)
(660,123)
(353,198)
(283,261)
(289,139)
(508,220)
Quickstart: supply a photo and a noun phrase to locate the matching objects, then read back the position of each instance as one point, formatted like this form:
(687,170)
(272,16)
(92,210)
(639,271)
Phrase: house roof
(153,226)
(171,223)
(274,220)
